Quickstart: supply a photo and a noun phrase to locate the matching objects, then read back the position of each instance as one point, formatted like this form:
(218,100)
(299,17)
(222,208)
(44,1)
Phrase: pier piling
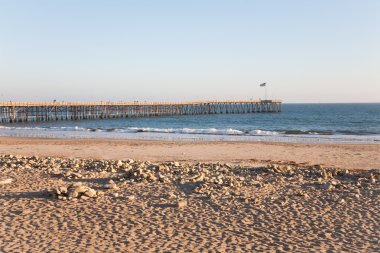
(18,112)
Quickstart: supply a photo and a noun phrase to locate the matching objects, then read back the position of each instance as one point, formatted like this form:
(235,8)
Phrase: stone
(6,181)
(81,189)
(171,195)
(84,197)
(90,193)
(131,198)
(73,194)
(61,190)
(110,186)
(119,163)
(182,203)
(76,184)
(75,191)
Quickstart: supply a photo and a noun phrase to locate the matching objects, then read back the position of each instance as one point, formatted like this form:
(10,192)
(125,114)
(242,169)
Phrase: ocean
(306,123)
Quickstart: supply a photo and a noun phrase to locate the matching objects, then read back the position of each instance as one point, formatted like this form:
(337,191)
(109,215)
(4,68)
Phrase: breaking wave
(205,131)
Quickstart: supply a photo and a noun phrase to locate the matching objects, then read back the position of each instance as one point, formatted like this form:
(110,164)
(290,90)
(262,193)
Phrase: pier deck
(17,112)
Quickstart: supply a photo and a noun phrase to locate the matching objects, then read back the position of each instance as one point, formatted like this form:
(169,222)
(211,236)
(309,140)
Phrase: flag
(263,84)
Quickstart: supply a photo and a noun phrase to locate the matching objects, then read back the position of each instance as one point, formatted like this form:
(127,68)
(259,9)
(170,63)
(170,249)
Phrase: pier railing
(15,112)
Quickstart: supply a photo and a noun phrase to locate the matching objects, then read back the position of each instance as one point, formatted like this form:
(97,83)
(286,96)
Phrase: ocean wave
(213,131)
(201,131)
(306,132)
(209,131)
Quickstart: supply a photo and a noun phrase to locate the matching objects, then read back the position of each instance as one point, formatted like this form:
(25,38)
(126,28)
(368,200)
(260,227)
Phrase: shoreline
(348,156)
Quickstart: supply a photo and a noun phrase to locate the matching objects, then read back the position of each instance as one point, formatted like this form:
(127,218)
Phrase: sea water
(310,123)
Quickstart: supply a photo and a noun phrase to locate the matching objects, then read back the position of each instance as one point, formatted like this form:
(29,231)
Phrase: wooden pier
(18,112)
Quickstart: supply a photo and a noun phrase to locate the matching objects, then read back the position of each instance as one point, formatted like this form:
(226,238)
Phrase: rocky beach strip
(87,205)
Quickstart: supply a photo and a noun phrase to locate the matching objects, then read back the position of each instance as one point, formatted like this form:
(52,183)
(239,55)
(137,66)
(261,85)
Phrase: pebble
(119,163)
(182,203)
(130,198)
(6,181)
(111,185)
(211,180)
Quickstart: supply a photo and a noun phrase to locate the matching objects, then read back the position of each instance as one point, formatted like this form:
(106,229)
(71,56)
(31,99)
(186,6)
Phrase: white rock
(6,181)
(182,203)
(110,186)
(90,193)
(131,197)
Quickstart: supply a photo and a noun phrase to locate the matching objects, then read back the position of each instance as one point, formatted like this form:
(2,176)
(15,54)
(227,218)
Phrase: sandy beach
(189,126)
(349,156)
(143,196)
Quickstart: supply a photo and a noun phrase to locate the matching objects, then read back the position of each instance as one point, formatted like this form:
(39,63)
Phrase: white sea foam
(215,134)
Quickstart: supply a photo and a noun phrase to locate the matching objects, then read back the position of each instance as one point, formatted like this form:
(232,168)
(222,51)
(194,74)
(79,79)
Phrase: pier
(18,112)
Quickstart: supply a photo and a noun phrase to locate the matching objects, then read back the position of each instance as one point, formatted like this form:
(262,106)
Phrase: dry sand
(243,207)
(348,156)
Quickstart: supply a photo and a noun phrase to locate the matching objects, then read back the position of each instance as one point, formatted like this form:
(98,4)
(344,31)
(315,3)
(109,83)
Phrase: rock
(75,191)
(80,189)
(84,197)
(90,193)
(130,198)
(76,184)
(6,181)
(60,197)
(171,195)
(176,164)
(73,194)
(182,203)
(116,194)
(111,185)
(61,190)
(119,164)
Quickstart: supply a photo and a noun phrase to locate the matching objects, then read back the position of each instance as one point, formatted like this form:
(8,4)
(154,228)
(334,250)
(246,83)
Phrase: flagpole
(265,92)
(265,86)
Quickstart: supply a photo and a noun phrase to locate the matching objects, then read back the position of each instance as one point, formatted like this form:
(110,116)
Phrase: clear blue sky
(307,51)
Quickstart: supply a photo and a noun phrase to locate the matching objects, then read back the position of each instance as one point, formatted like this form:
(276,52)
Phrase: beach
(350,156)
(103,195)
(189,126)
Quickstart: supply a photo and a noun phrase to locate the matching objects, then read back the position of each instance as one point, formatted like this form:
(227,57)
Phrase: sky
(91,50)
